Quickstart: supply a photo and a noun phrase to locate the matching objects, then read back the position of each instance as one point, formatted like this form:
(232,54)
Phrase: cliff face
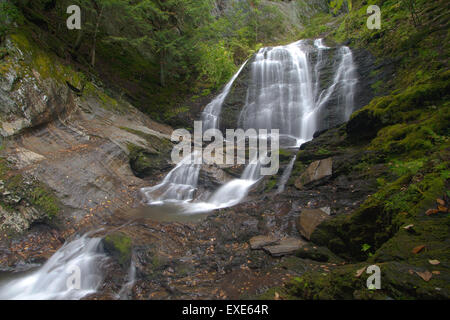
(67,142)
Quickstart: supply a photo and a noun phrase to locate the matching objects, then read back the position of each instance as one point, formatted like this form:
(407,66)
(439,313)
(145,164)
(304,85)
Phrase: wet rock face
(211,177)
(236,98)
(76,144)
(27,99)
(147,162)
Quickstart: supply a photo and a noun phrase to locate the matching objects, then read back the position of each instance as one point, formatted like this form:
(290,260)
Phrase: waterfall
(131,279)
(281,92)
(210,115)
(286,175)
(286,91)
(82,256)
(318,43)
(227,195)
(235,190)
(180,183)
(344,83)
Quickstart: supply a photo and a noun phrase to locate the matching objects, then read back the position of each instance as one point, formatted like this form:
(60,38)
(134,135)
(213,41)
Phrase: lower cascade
(73,272)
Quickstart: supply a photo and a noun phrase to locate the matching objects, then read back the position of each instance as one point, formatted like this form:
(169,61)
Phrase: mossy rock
(119,246)
(398,281)
(151,160)
(19,192)
(408,105)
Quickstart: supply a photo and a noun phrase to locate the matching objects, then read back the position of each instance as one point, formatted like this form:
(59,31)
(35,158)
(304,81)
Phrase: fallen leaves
(426,276)
(434,262)
(440,208)
(417,249)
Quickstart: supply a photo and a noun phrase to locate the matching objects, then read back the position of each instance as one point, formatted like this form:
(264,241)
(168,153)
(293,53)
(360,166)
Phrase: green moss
(147,161)
(44,62)
(36,193)
(119,245)
(271,184)
(45,200)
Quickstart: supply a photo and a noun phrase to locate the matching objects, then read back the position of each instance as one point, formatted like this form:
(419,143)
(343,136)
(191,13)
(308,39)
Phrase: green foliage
(365,247)
(337,5)
(9,15)
(159,52)
(120,246)
(34,193)
(215,64)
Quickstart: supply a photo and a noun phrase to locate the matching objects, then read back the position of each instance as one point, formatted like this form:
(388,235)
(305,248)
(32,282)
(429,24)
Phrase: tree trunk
(99,18)
(162,71)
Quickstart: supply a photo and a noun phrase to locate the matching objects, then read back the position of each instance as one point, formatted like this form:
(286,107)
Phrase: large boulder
(316,171)
(309,220)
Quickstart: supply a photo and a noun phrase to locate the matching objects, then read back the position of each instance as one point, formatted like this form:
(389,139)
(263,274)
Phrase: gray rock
(259,242)
(308,221)
(285,247)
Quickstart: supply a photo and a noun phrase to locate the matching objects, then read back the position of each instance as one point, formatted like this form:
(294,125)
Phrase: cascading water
(286,175)
(234,191)
(227,195)
(179,184)
(82,256)
(286,92)
(211,113)
(281,92)
(344,83)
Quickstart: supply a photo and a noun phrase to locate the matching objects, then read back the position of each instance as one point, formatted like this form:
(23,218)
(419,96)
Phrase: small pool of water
(168,212)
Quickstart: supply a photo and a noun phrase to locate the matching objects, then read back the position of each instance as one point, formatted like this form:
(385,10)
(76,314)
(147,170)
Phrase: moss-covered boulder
(151,159)
(119,246)
(24,201)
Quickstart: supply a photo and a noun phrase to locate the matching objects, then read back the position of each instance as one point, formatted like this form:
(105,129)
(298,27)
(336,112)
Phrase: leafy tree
(9,14)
